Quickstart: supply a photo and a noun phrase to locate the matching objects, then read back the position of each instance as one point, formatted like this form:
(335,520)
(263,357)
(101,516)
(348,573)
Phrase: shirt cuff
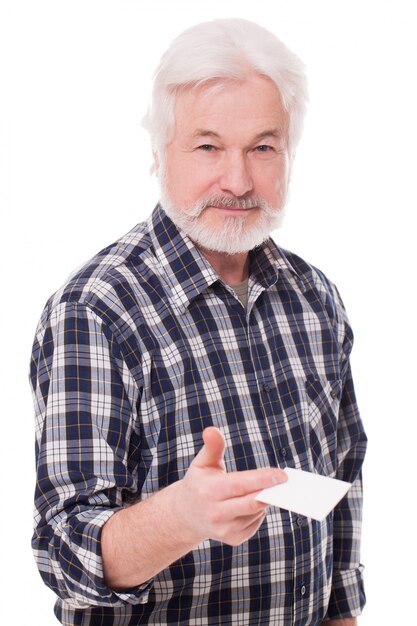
(86,584)
(347,597)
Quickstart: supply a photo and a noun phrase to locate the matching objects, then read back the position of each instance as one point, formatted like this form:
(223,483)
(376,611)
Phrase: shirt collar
(269,262)
(185,270)
(188,274)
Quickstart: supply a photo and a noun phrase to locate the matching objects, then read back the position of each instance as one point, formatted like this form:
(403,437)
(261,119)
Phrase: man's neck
(231,268)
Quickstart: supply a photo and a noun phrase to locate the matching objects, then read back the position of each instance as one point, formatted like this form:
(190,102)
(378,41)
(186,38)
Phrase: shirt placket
(273,416)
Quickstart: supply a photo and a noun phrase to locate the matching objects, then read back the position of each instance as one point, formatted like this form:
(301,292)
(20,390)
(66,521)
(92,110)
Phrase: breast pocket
(323,398)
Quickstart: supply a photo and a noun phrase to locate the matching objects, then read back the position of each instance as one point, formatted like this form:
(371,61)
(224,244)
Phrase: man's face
(226,170)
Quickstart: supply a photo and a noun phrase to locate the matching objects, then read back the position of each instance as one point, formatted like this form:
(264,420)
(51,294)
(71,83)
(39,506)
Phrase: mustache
(229,201)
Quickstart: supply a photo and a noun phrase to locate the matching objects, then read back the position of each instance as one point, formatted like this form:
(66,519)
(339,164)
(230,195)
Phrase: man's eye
(263,148)
(206,147)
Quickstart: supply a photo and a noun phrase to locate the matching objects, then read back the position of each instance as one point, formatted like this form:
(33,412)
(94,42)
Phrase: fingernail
(277,479)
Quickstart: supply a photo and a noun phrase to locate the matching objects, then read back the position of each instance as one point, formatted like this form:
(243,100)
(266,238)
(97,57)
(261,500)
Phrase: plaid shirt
(141,350)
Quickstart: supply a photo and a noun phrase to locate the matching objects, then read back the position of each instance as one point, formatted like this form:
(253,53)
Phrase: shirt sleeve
(347,597)
(85,399)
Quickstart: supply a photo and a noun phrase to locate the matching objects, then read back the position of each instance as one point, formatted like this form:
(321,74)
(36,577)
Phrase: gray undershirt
(241,290)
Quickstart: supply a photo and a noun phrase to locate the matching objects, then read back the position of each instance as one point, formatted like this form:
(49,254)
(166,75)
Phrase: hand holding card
(312,495)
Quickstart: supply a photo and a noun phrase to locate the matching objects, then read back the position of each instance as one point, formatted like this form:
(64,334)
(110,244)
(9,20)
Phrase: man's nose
(236,177)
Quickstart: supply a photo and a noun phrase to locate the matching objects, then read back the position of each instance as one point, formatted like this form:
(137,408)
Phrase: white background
(74,165)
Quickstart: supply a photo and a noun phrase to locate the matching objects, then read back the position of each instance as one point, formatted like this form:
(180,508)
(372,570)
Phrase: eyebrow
(273,132)
(204,133)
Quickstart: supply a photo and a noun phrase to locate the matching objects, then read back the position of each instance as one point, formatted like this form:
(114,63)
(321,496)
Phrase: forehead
(253,104)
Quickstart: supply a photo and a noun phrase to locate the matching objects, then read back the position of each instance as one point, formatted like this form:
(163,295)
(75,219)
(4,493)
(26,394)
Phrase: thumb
(211,454)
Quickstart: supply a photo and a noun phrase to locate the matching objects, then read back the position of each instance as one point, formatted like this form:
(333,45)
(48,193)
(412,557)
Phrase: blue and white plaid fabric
(141,350)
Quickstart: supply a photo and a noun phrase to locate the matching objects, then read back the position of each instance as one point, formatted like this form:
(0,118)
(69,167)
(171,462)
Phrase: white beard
(233,235)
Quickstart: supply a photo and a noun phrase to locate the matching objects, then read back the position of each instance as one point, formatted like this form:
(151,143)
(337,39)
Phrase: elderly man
(180,370)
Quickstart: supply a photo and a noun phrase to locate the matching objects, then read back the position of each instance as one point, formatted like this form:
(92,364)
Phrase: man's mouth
(233,208)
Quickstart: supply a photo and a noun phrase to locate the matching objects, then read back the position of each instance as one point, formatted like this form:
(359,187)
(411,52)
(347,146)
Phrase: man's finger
(237,484)
(211,454)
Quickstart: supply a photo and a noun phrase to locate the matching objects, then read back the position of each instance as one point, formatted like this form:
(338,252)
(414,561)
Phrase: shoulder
(309,275)
(320,292)
(106,282)
(312,277)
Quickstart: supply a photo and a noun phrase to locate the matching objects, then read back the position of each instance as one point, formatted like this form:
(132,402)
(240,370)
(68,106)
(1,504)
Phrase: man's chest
(269,379)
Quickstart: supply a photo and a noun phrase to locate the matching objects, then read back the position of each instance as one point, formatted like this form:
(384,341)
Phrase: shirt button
(283,452)
(266,387)
(334,394)
(299,521)
(303,590)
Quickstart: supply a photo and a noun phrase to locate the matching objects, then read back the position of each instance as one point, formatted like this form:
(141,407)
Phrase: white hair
(218,52)
(232,235)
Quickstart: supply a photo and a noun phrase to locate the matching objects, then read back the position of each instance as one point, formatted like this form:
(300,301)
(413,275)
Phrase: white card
(305,493)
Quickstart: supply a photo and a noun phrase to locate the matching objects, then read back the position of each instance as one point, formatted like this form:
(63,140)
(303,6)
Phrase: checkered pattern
(141,350)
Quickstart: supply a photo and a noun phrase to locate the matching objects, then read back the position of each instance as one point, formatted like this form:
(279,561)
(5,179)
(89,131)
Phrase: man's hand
(222,506)
(141,540)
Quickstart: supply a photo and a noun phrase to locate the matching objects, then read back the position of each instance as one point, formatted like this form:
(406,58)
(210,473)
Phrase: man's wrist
(141,540)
